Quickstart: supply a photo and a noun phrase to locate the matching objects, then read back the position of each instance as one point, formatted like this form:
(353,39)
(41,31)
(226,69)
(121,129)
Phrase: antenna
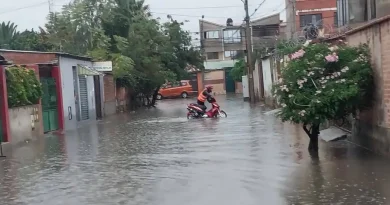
(51,6)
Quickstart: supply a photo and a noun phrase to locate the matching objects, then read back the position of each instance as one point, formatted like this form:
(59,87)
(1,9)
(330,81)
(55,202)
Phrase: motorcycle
(195,111)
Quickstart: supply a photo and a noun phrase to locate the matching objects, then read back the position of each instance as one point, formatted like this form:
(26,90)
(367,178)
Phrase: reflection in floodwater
(159,157)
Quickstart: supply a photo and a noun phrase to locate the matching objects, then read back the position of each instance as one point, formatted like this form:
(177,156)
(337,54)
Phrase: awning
(85,70)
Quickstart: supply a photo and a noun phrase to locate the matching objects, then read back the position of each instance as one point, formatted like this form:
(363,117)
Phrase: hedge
(23,87)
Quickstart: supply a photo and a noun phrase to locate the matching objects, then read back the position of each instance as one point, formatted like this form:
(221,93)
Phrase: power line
(26,7)
(200,16)
(194,8)
(257,8)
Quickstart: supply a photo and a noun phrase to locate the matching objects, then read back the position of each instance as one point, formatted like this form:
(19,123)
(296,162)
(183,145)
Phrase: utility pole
(202,49)
(294,24)
(249,56)
(51,6)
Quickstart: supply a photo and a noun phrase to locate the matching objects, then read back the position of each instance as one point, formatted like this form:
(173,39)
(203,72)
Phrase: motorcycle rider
(203,96)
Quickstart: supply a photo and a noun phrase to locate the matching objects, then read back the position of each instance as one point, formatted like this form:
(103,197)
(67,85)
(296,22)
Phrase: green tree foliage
(7,34)
(238,70)
(145,52)
(31,41)
(323,82)
(23,87)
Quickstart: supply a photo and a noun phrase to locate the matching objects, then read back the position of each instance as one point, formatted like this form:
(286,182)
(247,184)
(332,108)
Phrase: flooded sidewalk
(158,157)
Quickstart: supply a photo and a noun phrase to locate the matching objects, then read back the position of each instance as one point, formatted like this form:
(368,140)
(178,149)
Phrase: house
(304,13)
(224,44)
(355,12)
(73,90)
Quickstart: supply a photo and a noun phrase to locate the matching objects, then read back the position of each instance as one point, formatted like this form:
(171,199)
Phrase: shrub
(23,87)
(238,70)
(323,82)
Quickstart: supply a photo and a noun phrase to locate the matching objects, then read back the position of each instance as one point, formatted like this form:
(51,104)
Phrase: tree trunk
(154,97)
(313,134)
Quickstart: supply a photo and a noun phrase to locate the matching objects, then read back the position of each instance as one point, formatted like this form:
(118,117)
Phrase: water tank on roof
(229,22)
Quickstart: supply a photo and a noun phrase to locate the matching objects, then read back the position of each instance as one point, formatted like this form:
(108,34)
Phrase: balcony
(214,65)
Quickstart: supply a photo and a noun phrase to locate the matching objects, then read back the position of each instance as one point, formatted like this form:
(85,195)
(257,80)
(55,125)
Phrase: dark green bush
(23,87)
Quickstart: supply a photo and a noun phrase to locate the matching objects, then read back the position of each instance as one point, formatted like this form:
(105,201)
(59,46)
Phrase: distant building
(302,14)
(356,12)
(224,44)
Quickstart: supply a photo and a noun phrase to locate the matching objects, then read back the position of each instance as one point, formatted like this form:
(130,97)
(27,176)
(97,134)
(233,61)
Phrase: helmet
(209,87)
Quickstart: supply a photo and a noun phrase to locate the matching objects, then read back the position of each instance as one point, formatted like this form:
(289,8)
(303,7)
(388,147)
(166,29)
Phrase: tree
(160,52)
(7,34)
(322,82)
(31,41)
(77,29)
(238,70)
(145,52)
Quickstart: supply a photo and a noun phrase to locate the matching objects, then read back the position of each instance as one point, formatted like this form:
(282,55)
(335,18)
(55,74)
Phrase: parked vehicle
(182,89)
(195,111)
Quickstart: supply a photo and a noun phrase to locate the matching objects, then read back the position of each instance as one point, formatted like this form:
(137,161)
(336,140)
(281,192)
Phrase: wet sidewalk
(158,157)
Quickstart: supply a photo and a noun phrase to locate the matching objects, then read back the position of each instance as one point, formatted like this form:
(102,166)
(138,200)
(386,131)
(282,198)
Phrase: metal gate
(194,82)
(83,97)
(230,85)
(49,105)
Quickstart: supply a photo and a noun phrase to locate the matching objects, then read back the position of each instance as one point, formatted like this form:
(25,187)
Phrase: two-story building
(355,12)
(223,45)
(303,13)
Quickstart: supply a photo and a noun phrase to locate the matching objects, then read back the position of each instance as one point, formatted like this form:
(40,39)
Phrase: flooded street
(158,157)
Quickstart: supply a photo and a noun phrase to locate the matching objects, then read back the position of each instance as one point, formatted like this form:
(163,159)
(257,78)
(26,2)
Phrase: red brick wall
(28,58)
(327,16)
(109,88)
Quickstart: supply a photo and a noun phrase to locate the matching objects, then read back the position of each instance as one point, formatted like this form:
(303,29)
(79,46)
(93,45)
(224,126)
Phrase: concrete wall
(25,123)
(239,88)
(268,82)
(122,99)
(217,79)
(382,8)
(372,128)
(256,80)
(66,65)
(109,95)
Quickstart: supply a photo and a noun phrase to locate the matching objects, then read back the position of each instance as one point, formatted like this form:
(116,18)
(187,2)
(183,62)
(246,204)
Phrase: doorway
(98,97)
(230,84)
(49,104)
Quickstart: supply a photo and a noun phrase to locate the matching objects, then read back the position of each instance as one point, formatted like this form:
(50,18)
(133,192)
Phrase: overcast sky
(29,14)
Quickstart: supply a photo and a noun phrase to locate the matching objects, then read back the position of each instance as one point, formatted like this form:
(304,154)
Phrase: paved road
(158,157)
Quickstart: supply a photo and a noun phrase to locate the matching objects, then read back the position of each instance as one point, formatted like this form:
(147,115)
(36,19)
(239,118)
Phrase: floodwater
(158,157)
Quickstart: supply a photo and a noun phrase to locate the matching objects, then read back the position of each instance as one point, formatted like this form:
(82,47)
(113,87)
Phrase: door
(76,91)
(84,108)
(98,97)
(194,82)
(49,105)
(230,84)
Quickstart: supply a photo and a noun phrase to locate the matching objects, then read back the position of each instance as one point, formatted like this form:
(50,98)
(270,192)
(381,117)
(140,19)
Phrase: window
(231,36)
(211,34)
(336,23)
(230,54)
(212,56)
(315,19)
(176,84)
(373,9)
(183,83)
